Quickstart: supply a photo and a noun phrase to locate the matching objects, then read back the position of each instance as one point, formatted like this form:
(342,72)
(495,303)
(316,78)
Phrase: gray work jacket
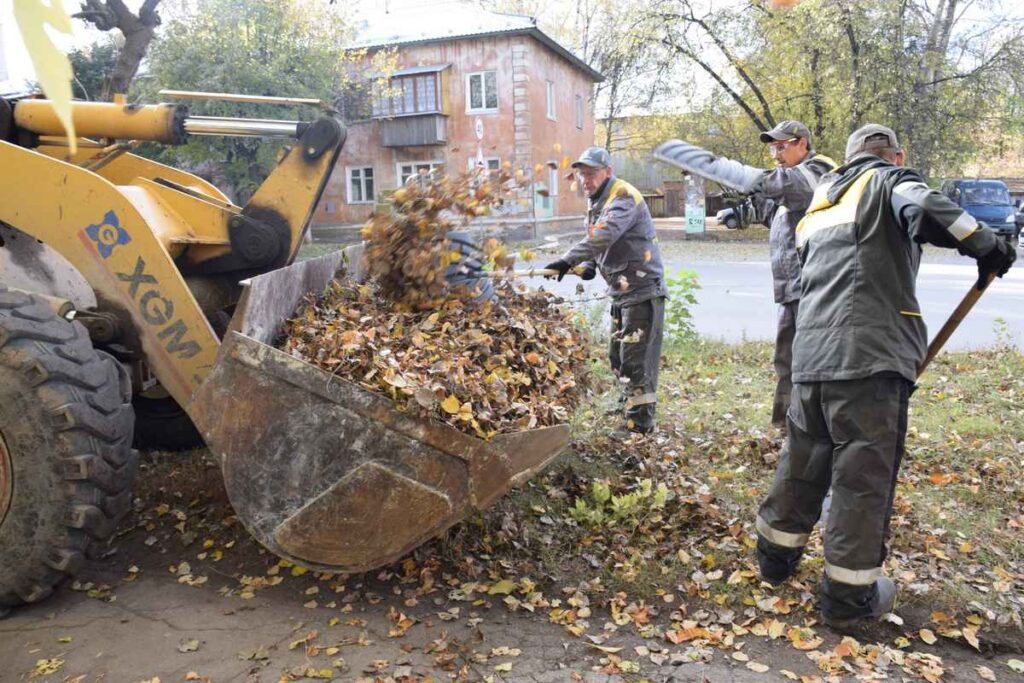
(622,244)
(791,189)
(860,244)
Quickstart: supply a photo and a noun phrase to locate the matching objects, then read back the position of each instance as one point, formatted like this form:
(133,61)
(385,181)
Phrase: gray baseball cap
(787,130)
(595,157)
(870,139)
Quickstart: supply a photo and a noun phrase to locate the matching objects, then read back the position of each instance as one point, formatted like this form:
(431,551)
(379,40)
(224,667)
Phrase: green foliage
(285,48)
(681,296)
(91,65)
(605,508)
(945,81)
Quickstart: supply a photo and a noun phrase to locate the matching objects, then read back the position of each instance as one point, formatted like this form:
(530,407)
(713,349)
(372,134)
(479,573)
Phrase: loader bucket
(324,473)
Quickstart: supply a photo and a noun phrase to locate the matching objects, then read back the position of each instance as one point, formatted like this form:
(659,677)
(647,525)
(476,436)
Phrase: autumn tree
(937,71)
(137,31)
(92,66)
(287,48)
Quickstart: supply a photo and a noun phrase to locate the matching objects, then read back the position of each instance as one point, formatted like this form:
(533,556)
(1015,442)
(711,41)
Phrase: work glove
(587,272)
(561,266)
(998,260)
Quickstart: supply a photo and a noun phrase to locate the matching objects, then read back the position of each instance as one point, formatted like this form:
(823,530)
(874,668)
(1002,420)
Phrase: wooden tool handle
(955,318)
(532,272)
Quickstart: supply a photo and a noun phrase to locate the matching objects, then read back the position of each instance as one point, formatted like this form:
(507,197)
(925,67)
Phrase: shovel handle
(532,272)
(955,318)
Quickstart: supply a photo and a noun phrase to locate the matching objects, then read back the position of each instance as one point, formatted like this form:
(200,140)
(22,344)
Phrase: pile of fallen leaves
(514,362)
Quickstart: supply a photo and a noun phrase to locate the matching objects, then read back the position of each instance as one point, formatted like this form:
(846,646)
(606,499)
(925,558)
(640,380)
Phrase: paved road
(735,301)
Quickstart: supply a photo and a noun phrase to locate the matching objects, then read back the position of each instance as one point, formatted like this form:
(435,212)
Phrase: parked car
(744,210)
(737,216)
(988,201)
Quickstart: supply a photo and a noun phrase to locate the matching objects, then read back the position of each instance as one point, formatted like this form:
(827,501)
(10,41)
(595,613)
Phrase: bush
(678,319)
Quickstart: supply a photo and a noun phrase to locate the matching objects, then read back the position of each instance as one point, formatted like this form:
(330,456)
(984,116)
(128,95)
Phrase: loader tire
(66,461)
(163,425)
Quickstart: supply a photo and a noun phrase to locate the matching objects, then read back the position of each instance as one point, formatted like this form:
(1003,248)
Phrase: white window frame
(362,185)
(552,109)
(433,164)
(483,93)
(471,163)
(580,112)
(553,178)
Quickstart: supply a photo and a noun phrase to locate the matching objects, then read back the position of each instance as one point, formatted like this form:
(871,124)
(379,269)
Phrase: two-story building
(469,87)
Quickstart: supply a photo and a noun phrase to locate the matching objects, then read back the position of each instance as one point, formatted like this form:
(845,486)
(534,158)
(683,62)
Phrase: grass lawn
(664,526)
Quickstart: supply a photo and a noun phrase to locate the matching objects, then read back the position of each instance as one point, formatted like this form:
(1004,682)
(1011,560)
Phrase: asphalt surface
(734,301)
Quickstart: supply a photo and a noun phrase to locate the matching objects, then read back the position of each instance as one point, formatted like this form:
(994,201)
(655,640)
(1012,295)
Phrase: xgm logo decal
(108,234)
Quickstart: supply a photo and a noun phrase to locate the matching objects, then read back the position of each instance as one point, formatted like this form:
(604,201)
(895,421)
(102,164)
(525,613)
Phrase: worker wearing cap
(622,245)
(859,341)
(790,186)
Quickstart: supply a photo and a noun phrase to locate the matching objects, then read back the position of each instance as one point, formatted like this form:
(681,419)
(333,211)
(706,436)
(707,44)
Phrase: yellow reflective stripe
(621,185)
(827,160)
(780,538)
(916,314)
(852,577)
(820,199)
(963,227)
(819,216)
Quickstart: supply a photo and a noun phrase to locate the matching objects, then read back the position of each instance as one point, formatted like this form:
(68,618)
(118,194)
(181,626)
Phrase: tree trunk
(138,31)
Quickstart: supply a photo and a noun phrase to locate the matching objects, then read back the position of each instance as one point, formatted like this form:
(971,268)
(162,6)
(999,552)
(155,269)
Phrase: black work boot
(777,564)
(881,604)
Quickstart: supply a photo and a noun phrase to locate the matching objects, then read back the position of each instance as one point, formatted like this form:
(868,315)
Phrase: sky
(19,66)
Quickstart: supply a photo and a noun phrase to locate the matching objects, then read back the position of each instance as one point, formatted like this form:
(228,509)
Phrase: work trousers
(635,353)
(849,435)
(784,334)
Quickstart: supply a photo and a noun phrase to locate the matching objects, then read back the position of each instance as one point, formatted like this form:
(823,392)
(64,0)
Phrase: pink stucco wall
(523,66)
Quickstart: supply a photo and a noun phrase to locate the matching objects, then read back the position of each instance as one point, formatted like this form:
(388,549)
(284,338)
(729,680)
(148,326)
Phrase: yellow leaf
(986,673)
(52,66)
(503,668)
(971,636)
(503,587)
(1016,665)
(758,667)
(298,571)
(47,666)
(604,648)
(450,405)
(927,636)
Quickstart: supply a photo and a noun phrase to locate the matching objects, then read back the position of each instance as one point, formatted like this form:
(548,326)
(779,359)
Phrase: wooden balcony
(414,130)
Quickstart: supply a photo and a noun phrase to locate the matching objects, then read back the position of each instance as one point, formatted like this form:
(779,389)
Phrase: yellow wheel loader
(136,300)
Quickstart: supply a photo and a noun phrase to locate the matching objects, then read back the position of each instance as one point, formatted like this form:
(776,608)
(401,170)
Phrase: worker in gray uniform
(789,187)
(621,243)
(860,339)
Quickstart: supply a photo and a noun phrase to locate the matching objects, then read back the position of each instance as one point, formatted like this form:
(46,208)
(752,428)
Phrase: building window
(482,92)
(490,163)
(360,185)
(553,178)
(404,95)
(551,100)
(329,207)
(417,169)
(579,111)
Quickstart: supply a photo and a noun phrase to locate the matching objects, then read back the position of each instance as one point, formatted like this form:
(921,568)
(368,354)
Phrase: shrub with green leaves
(681,297)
